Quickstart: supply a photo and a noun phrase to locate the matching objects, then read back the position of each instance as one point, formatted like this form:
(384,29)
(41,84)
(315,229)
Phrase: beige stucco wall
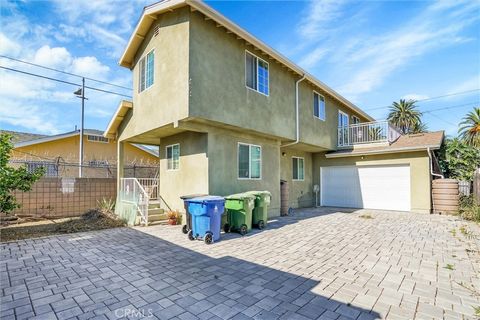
(300,191)
(223,166)
(167,99)
(192,176)
(218,91)
(419,172)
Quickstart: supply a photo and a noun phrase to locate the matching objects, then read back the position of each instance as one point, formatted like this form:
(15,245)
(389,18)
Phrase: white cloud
(57,57)
(471,83)
(313,57)
(415,96)
(89,67)
(8,46)
(318,16)
(362,61)
(30,117)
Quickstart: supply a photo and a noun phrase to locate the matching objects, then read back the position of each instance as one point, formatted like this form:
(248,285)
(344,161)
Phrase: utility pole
(80,93)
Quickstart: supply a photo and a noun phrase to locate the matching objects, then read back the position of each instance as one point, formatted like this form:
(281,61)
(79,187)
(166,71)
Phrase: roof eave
(122,109)
(376,152)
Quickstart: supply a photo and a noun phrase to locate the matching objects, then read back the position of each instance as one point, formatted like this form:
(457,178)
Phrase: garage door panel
(373,187)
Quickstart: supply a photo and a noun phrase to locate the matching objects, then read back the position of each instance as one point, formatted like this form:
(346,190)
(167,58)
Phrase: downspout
(297,114)
(431,167)
(433,174)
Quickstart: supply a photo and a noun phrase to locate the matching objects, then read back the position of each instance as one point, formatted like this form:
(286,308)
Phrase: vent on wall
(155,30)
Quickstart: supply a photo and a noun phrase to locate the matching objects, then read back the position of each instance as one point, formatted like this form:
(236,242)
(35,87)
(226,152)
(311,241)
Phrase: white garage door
(370,187)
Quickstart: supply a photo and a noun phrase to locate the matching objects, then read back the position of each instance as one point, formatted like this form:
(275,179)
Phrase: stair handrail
(141,203)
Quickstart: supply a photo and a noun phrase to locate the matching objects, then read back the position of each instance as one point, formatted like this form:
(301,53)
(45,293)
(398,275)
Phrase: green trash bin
(260,211)
(239,212)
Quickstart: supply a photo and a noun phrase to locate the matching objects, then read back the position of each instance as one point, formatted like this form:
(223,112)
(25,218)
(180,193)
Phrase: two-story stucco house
(231,114)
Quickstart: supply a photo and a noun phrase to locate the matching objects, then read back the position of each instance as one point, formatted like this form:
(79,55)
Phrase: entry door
(370,187)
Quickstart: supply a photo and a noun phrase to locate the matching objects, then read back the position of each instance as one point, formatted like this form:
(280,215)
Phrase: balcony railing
(368,132)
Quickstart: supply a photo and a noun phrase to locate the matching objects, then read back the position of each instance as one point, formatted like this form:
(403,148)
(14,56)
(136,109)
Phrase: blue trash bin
(206,215)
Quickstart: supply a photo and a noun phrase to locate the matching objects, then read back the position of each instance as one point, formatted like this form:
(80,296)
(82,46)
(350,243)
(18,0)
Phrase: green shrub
(469,208)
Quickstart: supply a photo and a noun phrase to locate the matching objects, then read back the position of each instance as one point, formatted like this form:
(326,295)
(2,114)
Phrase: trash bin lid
(206,199)
(240,196)
(195,195)
(259,193)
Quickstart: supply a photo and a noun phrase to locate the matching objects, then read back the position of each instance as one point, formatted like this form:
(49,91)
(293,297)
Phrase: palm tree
(469,129)
(420,127)
(405,115)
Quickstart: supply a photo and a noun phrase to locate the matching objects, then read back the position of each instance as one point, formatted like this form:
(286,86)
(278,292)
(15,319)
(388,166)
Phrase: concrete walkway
(317,264)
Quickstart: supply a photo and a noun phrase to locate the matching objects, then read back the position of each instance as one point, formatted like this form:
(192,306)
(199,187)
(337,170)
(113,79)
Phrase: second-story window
(355,120)
(342,119)
(256,73)
(147,65)
(319,106)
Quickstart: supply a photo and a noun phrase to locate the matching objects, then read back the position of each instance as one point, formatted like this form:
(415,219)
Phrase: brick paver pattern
(317,264)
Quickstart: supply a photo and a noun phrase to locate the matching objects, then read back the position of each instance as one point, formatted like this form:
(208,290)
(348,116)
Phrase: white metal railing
(133,193)
(367,132)
(150,185)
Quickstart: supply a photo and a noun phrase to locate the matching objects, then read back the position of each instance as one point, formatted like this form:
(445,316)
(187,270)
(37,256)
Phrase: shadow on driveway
(125,273)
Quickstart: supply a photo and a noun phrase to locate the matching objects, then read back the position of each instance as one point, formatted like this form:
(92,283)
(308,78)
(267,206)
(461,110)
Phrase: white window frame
(324,104)
(357,120)
(249,161)
(347,116)
(93,138)
(298,158)
(268,78)
(166,156)
(140,71)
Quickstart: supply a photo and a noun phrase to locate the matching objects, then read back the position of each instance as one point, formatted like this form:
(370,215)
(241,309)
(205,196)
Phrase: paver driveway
(320,263)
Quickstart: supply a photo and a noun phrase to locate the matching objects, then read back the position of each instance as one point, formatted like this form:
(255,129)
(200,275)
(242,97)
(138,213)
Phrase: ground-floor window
(249,161)
(173,157)
(298,168)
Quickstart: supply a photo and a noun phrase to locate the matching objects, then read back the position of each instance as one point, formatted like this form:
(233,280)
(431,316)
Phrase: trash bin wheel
(208,238)
(190,235)
(185,229)
(243,229)
(226,227)
(261,224)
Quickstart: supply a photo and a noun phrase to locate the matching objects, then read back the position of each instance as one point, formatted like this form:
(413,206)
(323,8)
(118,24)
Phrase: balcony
(367,132)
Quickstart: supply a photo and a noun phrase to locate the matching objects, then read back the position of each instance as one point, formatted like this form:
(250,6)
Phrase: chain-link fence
(94,169)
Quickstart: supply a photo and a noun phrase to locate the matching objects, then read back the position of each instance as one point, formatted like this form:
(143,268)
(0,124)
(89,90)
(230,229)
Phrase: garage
(385,187)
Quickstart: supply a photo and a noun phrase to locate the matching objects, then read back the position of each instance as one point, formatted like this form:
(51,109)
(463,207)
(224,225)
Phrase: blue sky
(372,52)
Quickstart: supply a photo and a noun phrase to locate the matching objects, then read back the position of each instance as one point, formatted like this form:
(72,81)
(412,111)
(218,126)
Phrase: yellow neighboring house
(59,154)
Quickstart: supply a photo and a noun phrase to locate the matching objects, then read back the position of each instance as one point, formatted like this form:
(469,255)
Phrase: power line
(439,118)
(63,81)
(428,99)
(64,72)
(450,107)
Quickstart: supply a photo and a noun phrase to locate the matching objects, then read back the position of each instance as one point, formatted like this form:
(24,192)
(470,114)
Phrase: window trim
(139,78)
(303,159)
(348,118)
(250,145)
(355,117)
(166,155)
(268,79)
(324,103)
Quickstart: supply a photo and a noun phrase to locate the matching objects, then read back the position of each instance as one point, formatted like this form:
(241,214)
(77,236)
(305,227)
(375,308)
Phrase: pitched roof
(24,139)
(405,143)
(149,16)
(18,136)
